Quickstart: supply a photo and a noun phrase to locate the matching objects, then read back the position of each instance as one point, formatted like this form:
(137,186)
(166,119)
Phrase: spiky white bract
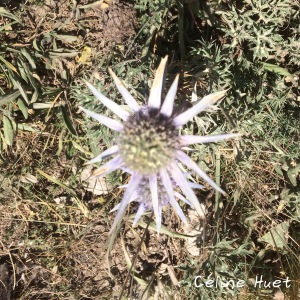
(148,146)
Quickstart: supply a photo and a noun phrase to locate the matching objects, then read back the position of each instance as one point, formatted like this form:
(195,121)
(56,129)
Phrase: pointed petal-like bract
(114,107)
(132,186)
(194,185)
(131,102)
(180,197)
(139,213)
(133,198)
(186,189)
(168,104)
(185,159)
(109,167)
(195,139)
(195,110)
(110,123)
(169,189)
(154,100)
(155,201)
(112,150)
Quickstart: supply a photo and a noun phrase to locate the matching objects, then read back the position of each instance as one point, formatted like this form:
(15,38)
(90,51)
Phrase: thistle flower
(148,146)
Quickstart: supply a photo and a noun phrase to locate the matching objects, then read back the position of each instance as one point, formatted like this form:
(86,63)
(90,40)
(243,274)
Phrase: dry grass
(54,241)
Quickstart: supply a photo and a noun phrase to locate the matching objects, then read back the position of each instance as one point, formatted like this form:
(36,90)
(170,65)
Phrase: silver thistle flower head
(148,146)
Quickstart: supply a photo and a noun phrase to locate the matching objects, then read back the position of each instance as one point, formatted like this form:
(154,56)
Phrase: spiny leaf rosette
(149,148)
